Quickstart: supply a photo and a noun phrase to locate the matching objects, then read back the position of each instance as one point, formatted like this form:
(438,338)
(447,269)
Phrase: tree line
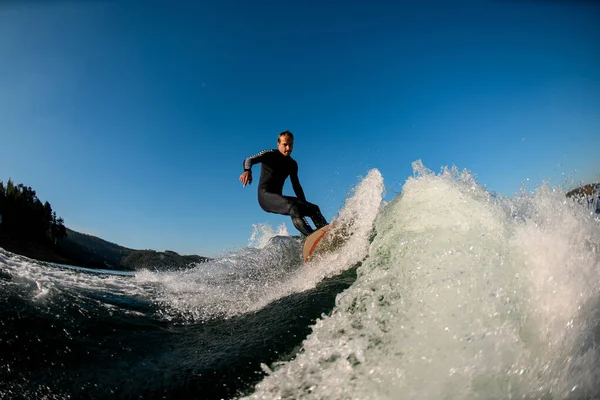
(23,215)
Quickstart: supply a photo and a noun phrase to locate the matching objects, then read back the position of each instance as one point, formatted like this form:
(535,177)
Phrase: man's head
(285,143)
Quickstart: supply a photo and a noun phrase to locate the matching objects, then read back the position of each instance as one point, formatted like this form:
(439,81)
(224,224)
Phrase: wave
(269,269)
(464,294)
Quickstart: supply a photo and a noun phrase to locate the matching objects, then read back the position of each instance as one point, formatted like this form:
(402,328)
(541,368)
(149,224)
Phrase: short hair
(285,133)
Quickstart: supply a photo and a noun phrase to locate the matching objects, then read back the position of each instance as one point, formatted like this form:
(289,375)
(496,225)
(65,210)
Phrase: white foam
(263,233)
(40,281)
(269,269)
(464,295)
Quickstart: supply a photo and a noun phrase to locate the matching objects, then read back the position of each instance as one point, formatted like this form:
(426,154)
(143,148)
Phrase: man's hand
(246,178)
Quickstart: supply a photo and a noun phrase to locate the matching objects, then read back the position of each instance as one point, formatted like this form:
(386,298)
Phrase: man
(277,165)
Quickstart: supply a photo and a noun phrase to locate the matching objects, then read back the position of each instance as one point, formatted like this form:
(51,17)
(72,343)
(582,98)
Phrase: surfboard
(323,240)
(313,240)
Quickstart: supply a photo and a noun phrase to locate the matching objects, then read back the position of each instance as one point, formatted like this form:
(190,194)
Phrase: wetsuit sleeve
(296,183)
(255,159)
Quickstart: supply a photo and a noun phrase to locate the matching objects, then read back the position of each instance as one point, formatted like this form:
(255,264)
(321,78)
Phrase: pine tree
(24,215)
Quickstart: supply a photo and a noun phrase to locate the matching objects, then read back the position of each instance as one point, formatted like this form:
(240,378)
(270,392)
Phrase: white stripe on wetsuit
(248,161)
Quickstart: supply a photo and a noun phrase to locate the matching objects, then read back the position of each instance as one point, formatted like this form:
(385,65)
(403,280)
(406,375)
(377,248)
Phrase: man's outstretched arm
(246,176)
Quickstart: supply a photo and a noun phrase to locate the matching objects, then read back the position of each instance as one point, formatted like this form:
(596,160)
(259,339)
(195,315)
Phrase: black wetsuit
(275,169)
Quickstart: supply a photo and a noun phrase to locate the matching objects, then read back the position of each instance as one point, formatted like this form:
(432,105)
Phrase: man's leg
(299,221)
(300,210)
(314,212)
(292,206)
(318,218)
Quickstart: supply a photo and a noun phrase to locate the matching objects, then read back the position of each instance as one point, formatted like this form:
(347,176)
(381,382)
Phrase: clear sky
(133,118)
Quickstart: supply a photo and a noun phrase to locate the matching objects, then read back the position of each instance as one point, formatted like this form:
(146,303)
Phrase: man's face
(285,144)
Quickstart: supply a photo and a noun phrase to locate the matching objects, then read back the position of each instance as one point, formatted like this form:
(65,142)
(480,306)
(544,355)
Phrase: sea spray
(263,233)
(456,300)
(557,246)
(269,269)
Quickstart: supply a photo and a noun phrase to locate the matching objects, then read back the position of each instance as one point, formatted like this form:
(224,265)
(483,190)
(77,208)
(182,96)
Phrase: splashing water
(463,295)
(269,269)
(262,234)
(460,293)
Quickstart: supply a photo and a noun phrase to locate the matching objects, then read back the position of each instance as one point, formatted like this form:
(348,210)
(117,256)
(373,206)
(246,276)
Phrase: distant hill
(31,228)
(588,193)
(586,190)
(91,251)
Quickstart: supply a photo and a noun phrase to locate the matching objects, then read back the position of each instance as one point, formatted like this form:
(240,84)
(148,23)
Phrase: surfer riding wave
(276,166)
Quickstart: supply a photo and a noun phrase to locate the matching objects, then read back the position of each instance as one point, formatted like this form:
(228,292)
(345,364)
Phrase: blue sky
(133,118)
